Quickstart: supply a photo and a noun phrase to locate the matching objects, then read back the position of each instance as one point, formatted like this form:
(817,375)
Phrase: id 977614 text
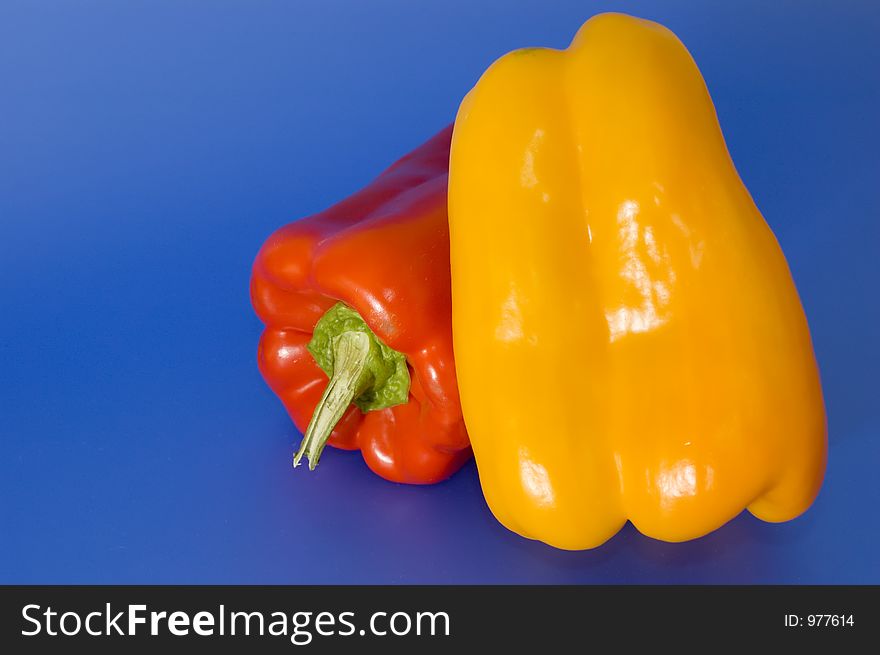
(819,621)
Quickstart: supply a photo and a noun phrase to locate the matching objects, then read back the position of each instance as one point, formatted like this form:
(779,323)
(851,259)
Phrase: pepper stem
(351,377)
(362,370)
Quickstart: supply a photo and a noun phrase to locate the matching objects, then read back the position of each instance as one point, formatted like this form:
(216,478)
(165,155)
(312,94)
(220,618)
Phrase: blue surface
(148,148)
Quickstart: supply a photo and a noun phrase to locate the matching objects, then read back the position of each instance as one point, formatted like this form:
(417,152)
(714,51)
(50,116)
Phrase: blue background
(148,148)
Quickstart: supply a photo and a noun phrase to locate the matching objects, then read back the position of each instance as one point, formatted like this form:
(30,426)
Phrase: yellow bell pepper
(628,339)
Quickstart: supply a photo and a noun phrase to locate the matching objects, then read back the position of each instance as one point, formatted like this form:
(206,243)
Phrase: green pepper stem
(351,377)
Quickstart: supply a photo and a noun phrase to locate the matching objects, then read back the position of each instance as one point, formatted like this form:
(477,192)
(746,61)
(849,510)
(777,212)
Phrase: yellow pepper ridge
(629,342)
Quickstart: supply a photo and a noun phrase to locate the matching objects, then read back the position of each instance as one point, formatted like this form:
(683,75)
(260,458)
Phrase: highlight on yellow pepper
(628,339)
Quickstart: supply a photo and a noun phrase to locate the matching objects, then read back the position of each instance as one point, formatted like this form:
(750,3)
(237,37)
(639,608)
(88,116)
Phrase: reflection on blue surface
(146,153)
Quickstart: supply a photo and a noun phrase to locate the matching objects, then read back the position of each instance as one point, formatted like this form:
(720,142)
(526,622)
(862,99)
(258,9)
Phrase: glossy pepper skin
(384,252)
(629,342)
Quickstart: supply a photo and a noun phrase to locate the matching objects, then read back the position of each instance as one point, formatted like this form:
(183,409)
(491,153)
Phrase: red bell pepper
(360,293)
